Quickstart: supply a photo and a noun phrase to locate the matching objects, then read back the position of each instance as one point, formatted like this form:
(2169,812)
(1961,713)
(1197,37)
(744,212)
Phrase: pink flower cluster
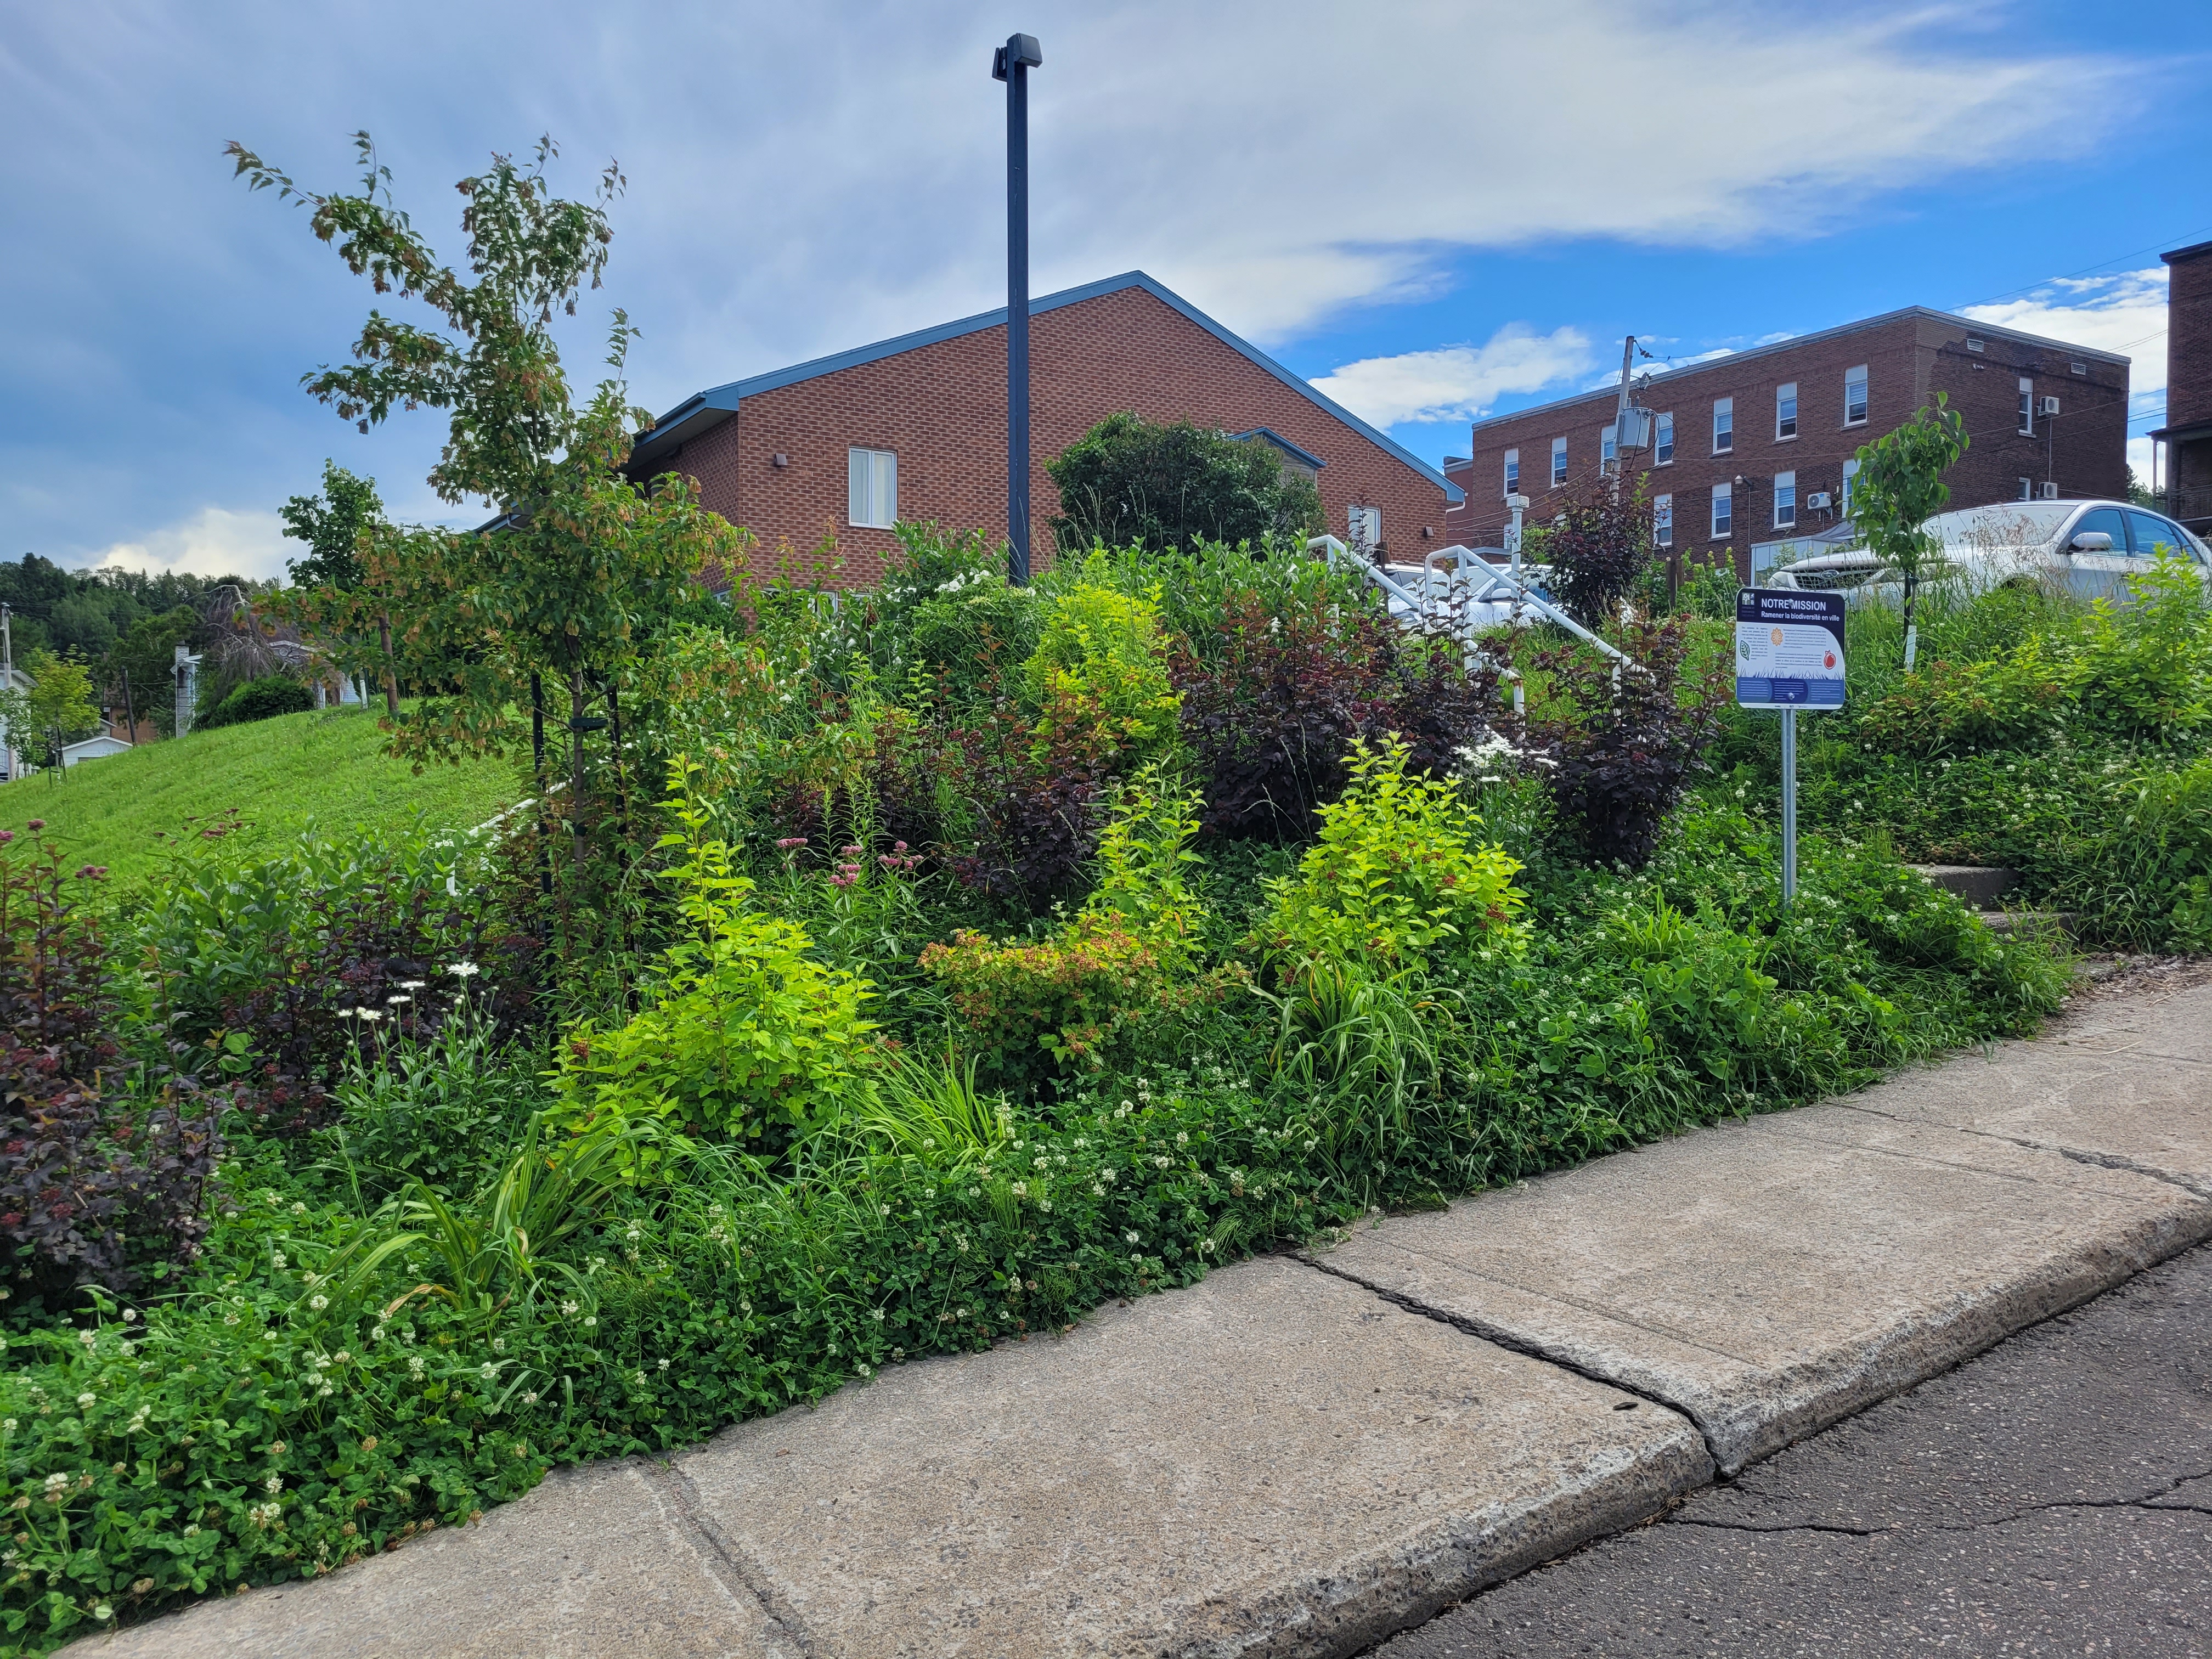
(898,859)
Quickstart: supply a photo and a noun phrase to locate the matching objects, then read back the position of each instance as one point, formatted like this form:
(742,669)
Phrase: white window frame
(1723,522)
(1558,462)
(1662,440)
(2026,406)
(1662,519)
(1724,421)
(1512,471)
(1372,518)
(1856,377)
(1850,483)
(1785,492)
(870,487)
(1607,452)
(2028,489)
(1785,395)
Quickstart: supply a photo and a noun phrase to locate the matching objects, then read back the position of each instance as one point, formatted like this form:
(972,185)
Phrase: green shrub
(1101,667)
(2000,702)
(746,1034)
(1396,871)
(259,699)
(975,632)
(2148,666)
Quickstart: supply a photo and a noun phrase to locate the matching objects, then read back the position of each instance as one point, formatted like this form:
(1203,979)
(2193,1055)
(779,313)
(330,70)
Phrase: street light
(1011,63)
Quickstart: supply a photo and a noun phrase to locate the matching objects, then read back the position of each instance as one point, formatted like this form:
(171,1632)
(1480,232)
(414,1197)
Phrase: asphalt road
(2052,1497)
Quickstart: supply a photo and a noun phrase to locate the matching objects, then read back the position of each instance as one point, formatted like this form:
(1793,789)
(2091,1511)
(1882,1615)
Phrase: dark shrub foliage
(97,1183)
(1597,550)
(1619,756)
(260,700)
(1127,483)
(1040,806)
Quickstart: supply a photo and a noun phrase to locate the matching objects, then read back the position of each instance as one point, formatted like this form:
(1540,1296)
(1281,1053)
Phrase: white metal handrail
(1493,586)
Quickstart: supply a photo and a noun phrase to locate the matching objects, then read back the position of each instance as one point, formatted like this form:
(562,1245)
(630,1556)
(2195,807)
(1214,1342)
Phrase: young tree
(1596,550)
(570,580)
(331,524)
(1900,487)
(57,709)
(1127,483)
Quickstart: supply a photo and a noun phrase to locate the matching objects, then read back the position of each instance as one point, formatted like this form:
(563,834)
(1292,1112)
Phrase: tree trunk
(391,673)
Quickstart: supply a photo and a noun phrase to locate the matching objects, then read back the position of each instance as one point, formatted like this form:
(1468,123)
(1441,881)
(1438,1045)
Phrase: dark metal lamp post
(1011,63)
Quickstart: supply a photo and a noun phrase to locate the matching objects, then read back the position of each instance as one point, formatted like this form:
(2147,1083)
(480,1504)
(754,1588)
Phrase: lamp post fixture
(1011,63)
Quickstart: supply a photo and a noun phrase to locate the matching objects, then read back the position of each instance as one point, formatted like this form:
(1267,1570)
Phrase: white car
(2089,547)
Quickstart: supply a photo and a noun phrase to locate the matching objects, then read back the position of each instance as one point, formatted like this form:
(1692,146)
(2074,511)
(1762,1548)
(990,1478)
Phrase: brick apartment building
(2187,433)
(1761,444)
(915,428)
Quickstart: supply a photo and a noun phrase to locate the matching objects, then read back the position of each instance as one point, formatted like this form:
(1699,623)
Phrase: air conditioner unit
(1819,501)
(2051,405)
(2051,492)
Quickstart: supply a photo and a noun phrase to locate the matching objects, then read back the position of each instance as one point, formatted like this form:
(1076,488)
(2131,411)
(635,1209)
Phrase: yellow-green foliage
(1100,672)
(748,1035)
(1141,859)
(1399,868)
(2148,666)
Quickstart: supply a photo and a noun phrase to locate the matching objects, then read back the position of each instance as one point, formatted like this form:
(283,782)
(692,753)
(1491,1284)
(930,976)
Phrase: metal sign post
(1788,656)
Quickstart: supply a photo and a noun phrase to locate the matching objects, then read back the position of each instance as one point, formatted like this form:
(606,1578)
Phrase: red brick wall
(1906,360)
(2189,336)
(942,409)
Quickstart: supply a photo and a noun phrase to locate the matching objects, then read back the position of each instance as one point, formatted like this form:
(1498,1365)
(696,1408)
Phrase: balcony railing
(2193,502)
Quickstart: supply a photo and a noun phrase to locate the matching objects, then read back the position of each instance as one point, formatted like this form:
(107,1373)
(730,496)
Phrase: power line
(2163,241)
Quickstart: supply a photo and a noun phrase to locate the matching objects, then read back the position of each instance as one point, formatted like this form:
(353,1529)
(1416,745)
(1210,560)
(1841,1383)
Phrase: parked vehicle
(2088,546)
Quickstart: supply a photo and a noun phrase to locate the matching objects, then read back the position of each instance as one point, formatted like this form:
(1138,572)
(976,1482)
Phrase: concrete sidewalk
(1302,1456)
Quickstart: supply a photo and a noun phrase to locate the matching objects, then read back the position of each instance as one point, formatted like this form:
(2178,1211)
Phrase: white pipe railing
(1485,582)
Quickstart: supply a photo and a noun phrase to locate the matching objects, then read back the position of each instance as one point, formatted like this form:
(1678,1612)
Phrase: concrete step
(2032,921)
(1978,884)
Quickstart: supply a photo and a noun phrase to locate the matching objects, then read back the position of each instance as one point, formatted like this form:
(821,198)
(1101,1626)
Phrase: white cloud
(214,542)
(1457,383)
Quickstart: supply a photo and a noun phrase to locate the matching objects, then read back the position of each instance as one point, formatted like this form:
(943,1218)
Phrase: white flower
(129,1314)
(8,1424)
(568,1310)
(885,1208)
(488,1371)
(376,1333)
(230,1319)
(530,1398)
(85,1402)
(590,1321)
(863,1370)
(411,984)
(1021,1189)
(1135,1238)
(369,1016)
(342,1358)
(397,1001)
(465,970)
(318,1303)
(415,1366)
(273,1485)
(663,1365)
(1161,1161)
(277,1258)
(1097,1191)
(87,1338)
(1183,1138)
(56,1486)
(633,1235)
(193,1530)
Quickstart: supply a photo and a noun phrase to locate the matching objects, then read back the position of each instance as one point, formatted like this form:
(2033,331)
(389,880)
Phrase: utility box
(1632,431)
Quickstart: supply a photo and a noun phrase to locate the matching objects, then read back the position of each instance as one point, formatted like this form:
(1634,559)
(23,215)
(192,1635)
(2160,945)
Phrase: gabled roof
(702,411)
(1305,457)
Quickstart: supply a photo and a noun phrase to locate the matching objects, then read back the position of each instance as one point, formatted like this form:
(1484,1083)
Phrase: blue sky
(1436,209)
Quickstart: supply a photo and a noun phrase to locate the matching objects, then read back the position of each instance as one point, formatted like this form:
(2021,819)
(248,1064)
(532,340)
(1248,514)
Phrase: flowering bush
(1100,669)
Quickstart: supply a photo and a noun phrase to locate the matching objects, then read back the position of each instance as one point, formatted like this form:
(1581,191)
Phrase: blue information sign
(1789,648)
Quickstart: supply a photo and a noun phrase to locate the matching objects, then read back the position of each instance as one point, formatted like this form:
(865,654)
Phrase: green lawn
(324,767)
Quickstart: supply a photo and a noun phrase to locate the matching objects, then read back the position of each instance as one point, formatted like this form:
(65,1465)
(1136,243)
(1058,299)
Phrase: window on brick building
(1724,425)
(1785,411)
(2028,489)
(1558,462)
(1850,483)
(1663,441)
(1855,396)
(2027,407)
(1606,452)
(1785,500)
(1363,528)
(871,487)
(1662,520)
(1512,470)
(1723,511)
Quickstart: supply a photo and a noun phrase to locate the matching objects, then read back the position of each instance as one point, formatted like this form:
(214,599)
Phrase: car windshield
(2008,524)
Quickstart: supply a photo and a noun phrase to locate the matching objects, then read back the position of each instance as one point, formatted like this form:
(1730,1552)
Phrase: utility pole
(1011,63)
(8,675)
(1620,417)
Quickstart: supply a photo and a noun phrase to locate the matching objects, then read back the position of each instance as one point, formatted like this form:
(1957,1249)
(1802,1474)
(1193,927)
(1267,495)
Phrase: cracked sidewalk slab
(1270,1463)
(1769,1278)
(596,1560)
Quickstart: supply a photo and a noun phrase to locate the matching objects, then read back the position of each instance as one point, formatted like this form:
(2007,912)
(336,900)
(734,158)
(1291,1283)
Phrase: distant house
(915,428)
(2187,433)
(93,748)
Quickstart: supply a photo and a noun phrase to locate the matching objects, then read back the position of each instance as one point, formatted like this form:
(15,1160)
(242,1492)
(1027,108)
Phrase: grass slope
(324,767)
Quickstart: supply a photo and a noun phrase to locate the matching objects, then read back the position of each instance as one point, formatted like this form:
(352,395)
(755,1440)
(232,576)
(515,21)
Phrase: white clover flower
(415,1366)
(488,1371)
(862,1369)
(230,1319)
(530,1398)
(342,1358)
(318,1303)
(1161,1161)
(590,1321)
(568,1310)
(88,1337)
(1183,1137)
(376,1333)
(1135,1238)
(1097,1191)
(273,1485)
(7,1425)
(663,1365)
(56,1486)
(277,1260)
(193,1530)
(1045,1204)
(1021,1189)
(85,1402)
(633,1235)
(130,1316)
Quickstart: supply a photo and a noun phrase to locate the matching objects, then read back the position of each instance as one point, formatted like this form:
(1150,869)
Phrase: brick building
(915,428)
(2187,433)
(1760,443)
